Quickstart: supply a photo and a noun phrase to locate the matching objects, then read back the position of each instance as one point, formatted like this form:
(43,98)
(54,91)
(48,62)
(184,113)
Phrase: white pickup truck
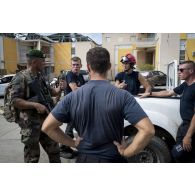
(165,116)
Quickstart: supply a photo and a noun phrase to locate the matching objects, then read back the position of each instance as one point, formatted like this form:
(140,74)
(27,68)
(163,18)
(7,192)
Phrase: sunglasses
(182,69)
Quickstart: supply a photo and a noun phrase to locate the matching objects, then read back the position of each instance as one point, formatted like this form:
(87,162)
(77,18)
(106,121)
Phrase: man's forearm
(73,86)
(142,138)
(191,129)
(23,104)
(51,128)
(60,137)
(140,141)
(148,89)
(164,93)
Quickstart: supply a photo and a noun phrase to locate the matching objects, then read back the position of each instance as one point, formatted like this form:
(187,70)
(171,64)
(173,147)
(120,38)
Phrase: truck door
(172,76)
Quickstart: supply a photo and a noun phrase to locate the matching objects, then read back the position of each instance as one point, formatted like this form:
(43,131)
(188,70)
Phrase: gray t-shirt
(97,110)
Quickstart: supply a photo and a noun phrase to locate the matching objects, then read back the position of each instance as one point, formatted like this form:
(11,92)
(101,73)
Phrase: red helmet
(128,58)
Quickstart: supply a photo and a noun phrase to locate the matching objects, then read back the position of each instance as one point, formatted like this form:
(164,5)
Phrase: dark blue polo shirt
(74,78)
(97,110)
(187,102)
(131,80)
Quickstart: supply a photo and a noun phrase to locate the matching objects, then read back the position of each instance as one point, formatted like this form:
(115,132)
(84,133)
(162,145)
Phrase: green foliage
(145,67)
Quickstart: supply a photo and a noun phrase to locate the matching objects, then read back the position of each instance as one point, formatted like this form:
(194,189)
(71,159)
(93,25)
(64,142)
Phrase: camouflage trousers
(31,137)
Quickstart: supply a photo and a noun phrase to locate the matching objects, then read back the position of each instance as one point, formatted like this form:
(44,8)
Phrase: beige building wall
(165,48)
(22,49)
(81,49)
(169,46)
(110,41)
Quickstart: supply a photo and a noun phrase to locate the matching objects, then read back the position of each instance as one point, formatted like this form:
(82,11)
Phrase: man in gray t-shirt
(98,110)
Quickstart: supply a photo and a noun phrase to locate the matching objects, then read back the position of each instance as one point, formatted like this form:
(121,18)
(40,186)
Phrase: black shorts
(182,130)
(185,156)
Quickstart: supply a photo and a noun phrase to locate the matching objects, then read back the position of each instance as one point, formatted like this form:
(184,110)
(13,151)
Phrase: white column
(39,45)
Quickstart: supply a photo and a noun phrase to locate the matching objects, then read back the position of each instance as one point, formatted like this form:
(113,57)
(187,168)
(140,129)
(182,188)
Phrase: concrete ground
(11,149)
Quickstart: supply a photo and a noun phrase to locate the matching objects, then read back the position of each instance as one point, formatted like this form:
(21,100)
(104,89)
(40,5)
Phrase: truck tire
(155,152)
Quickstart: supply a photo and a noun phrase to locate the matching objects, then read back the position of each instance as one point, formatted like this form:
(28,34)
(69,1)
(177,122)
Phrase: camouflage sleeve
(18,87)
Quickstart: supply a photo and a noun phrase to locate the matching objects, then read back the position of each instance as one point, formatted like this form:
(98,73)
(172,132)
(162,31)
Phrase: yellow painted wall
(62,57)
(122,52)
(157,65)
(10,55)
(183,36)
(190,47)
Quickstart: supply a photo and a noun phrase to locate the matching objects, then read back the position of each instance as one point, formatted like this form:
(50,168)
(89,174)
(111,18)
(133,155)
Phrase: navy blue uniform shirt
(97,111)
(187,102)
(74,78)
(131,80)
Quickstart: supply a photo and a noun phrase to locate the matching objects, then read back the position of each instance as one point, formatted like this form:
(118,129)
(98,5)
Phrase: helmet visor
(124,59)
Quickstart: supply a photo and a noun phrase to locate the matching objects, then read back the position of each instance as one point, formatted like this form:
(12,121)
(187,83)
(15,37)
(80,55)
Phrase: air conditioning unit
(193,53)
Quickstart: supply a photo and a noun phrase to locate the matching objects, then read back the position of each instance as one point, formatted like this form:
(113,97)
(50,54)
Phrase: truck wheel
(155,152)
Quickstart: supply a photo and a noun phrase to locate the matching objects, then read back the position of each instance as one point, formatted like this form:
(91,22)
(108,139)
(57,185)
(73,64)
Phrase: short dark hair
(75,58)
(189,62)
(99,59)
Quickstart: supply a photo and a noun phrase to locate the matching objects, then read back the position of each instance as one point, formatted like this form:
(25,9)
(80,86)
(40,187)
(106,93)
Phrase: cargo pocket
(26,136)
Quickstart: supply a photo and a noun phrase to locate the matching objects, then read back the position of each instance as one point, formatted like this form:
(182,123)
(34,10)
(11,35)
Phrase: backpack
(11,114)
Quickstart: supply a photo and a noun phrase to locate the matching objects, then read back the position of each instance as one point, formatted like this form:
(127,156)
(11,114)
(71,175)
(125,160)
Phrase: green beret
(36,54)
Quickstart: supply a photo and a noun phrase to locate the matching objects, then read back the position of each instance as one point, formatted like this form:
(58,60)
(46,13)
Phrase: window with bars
(191,35)
(182,50)
(73,51)
(182,55)
(182,44)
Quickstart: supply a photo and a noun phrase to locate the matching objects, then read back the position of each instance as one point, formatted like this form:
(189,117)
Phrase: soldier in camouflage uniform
(32,97)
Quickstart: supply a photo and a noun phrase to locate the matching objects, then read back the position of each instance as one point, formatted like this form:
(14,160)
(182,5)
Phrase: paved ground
(11,149)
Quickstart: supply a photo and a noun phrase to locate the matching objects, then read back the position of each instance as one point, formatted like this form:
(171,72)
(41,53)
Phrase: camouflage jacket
(27,86)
